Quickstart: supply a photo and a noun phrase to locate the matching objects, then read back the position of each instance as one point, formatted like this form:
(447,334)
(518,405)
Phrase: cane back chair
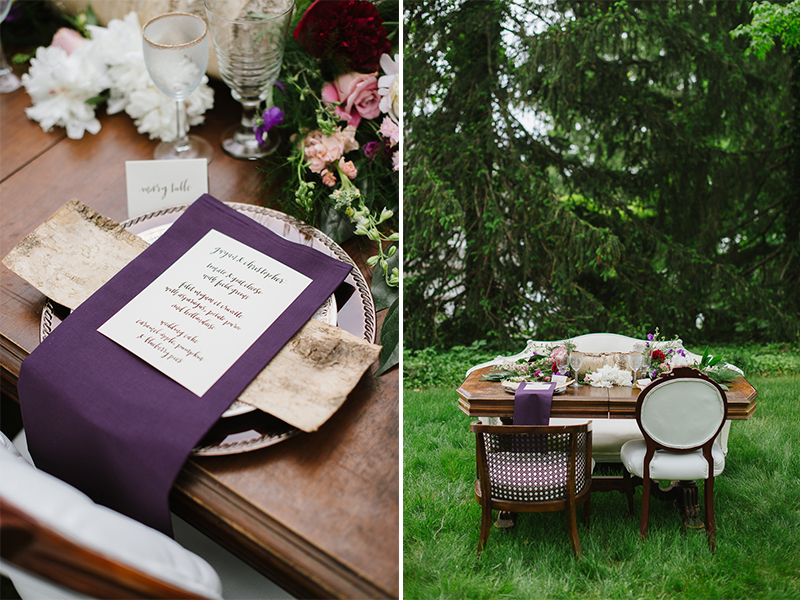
(524,468)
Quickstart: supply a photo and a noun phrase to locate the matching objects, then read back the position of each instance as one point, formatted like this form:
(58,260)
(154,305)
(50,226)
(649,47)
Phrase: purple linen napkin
(532,406)
(105,421)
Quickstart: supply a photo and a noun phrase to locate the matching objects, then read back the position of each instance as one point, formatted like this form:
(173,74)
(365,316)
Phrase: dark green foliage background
(663,189)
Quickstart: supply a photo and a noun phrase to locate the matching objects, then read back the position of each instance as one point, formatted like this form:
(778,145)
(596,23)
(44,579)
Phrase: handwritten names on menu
(194,321)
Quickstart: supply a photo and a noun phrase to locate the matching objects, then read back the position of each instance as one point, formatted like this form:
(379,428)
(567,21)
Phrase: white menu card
(195,320)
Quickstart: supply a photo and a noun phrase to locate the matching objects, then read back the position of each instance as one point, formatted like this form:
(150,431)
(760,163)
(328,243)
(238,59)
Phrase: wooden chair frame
(42,552)
(569,503)
(653,445)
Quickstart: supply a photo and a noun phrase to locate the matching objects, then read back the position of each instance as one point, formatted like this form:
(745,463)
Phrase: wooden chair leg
(486,526)
(572,524)
(711,527)
(645,506)
(627,483)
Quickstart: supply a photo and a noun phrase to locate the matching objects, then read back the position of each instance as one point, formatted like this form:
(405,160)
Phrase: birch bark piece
(77,250)
(72,254)
(309,379)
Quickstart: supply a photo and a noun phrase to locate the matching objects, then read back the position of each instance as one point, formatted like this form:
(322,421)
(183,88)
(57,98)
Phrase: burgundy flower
(346,35)
(658,355)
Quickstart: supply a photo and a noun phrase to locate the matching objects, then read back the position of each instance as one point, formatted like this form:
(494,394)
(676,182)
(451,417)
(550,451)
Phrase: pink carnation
(390,130)
(328,178)
(348,168)
(322,150)
(357,95)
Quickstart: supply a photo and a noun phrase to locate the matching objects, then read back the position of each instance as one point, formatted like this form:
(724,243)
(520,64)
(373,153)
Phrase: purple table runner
(105,421)
(532,406)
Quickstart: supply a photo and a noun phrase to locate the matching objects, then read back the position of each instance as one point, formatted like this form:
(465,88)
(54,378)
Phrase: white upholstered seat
(680,415)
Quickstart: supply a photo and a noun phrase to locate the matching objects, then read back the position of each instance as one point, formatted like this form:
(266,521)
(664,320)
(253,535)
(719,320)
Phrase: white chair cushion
(668,465)
(62,508)
(608,435)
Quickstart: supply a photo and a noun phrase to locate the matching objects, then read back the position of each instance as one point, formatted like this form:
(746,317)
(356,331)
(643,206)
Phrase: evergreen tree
(651,190)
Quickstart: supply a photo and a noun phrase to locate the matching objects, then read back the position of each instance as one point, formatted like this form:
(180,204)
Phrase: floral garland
(666,355)
(537,367)
(68,79)
(342,117)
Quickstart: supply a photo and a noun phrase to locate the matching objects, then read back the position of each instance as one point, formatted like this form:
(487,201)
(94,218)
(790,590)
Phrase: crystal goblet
(175,49)
(561,364)
(249,42)
(8,81)
(576,362)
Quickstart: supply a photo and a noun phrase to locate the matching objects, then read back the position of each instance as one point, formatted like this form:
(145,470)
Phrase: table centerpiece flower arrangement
(663,355)
(337,108)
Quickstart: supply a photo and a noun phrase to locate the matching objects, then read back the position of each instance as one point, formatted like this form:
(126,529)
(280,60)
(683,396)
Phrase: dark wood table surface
(479,398)
(317,513)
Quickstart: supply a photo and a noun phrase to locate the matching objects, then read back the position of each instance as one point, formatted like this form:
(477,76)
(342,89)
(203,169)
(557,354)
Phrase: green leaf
(390,339)
(91,16)
(336,225)
(383,294)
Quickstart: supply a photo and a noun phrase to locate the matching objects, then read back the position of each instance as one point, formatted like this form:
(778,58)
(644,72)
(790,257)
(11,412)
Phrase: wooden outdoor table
(318,513)
(479,398)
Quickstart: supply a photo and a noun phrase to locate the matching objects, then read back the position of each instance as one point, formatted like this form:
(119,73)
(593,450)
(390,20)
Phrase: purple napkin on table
(105,421)
(532,402)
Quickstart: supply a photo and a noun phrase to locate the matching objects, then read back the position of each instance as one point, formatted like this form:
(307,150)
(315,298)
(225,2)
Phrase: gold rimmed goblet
(176,54)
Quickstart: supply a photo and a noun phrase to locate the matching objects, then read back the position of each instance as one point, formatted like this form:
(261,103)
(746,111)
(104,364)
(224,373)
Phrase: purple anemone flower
(271,118)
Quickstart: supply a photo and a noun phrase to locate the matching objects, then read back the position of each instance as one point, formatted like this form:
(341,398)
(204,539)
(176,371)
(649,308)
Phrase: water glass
(576,362)
(635,363)
(175,49)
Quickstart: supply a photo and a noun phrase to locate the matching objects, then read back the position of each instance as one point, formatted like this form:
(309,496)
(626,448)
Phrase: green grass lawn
(757,502)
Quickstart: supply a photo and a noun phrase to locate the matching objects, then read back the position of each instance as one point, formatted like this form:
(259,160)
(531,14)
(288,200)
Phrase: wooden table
(318,513)
(479,398)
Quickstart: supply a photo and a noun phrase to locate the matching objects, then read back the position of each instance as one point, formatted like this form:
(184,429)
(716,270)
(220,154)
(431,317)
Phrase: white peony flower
(120,46)
(389,86)
(608,376)
(59,86)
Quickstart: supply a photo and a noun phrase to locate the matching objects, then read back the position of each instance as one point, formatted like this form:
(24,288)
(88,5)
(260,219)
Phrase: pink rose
(357,95)
(68,39)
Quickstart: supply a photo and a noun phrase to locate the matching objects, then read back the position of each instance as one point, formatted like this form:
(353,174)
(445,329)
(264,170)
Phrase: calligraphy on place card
(156,184)
(196,319)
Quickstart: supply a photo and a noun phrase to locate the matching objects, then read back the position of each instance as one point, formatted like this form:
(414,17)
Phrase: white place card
(157,184)
(559,379)
(196,319)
